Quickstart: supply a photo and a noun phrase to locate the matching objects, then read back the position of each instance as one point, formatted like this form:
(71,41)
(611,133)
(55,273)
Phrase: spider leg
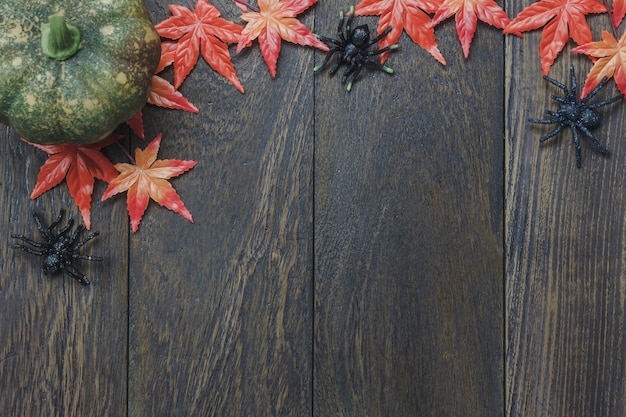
(556,83)
(555,114)
(560,99)
(592,138)
(30,250)
(349,21)
(380,51)
(328,40)
(340,27)
(544,121)
(335,67)
(88,257)
(605,102)
(57,220)
(29,241)
(86,239)
(74,235)
(75,273)
(67,227)
(551,134)
(351,68)
(46,233)
(595,90)
(350,75)
(379,37)
(573,81)
(577,144)
(77,246)
(326,59)
(379,66)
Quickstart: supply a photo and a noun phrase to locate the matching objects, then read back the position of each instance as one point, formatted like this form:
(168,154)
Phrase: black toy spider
(353,45)
(578,115)
(60,248)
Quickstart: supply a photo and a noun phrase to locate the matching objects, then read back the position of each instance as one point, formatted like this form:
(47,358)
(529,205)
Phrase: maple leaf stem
(125,152)
(249,6)
(610,14)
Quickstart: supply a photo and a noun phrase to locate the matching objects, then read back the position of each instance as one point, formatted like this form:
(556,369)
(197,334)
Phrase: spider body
(60,249)
(576,114)
(353,49)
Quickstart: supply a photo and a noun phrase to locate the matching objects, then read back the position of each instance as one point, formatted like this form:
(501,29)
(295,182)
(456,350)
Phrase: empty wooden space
(405,249)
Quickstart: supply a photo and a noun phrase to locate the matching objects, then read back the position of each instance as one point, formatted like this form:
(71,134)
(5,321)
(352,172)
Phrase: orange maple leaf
(79,165)
(148,179)
(163,94)
(562,19)
(201,31)
(274,20)
(408,15)
(611,61)
(467,14)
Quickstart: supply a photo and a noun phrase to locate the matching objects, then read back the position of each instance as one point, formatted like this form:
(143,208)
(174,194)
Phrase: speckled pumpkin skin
(81,99)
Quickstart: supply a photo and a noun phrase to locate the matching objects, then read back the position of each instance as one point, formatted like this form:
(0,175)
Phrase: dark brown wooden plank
(408,233)
(63,346)
(221,310)
(565,238)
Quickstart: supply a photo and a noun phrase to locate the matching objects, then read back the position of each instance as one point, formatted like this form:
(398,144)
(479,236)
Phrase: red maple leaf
(467,14)
(148,179)
(78,165)
(611,61)
(274,20)
(168,55)
(204,32)
(136,125)
(562,19)
(408,15)
(618,12)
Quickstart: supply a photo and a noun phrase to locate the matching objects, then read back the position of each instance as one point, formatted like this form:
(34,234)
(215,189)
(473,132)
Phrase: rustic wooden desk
(406,249)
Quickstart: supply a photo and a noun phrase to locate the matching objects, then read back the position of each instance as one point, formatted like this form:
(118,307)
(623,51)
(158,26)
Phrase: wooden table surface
(406,249)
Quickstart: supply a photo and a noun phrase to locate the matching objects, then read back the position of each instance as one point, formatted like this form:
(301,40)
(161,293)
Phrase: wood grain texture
(63,346)
(565,230)
(408,233)
(221,310)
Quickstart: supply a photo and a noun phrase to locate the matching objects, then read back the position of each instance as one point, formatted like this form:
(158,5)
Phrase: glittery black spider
(60,248)
(352,46)
(578,115)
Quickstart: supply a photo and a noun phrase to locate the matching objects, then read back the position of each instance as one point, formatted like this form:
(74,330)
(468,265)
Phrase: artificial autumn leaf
(136,125)
(78,165)
(467,14)
(611,61)
(163,94)
(274,20)
(562,19)
(618,12)
(168,55)
(407,15)
(148,179)
(204,32)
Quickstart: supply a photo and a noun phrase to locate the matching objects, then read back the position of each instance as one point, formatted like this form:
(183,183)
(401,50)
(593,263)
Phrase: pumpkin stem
(59,39)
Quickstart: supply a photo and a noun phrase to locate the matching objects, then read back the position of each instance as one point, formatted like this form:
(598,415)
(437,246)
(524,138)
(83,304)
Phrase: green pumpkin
(73,70)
